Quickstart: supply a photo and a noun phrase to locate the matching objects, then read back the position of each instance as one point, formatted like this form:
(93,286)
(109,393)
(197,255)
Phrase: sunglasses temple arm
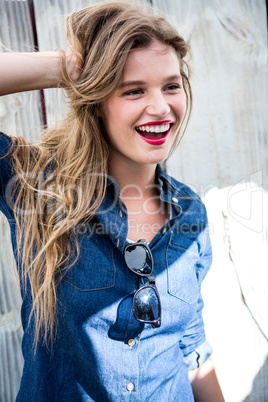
(151,280)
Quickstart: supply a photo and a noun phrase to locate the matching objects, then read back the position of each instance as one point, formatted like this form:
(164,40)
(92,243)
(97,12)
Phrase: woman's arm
(37,70)
(205,384)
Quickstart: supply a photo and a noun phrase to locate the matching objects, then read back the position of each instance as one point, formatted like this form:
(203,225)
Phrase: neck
(133,178)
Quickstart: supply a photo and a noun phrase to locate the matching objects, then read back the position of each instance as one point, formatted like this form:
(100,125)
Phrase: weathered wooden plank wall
(223,157)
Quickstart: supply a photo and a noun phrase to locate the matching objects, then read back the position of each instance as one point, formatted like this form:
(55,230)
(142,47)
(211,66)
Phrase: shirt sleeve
(6,176)
(195,348)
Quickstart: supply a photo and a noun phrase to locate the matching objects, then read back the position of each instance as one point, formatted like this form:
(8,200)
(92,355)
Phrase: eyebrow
(127,84)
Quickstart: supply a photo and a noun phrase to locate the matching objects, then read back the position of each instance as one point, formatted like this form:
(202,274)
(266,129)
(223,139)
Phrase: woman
(111,250)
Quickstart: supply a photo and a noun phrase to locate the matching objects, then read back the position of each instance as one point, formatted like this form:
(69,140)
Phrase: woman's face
(143,115)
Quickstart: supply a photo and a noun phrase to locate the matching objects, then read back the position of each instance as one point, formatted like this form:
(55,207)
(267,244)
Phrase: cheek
(184,102)
(115,115)
(109,120)
(181,107)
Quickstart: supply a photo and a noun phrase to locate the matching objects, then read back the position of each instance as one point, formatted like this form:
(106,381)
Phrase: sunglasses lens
(138,259)
(146,305)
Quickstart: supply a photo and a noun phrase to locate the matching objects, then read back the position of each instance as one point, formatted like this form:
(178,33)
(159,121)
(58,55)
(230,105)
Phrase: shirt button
(131,342)
(117,242)
(174,199)
(161,181)
(120,214)
(164,231)
(130,387)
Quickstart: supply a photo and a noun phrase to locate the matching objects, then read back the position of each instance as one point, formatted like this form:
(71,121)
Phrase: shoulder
(6,174)
(193,221)
(179,186)
(8,145)
(5,143)
(181,193)
(183,189)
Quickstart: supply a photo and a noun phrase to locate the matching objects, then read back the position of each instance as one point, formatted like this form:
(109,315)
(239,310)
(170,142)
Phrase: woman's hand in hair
(74,62)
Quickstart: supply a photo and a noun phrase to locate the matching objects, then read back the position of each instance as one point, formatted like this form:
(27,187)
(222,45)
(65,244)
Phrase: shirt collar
(170,191)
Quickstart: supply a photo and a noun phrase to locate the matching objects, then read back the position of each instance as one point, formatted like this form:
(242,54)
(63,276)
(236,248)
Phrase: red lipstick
(155,141)
(156,123)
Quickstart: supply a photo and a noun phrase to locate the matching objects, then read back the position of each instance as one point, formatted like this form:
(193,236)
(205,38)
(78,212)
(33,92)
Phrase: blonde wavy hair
(62,179)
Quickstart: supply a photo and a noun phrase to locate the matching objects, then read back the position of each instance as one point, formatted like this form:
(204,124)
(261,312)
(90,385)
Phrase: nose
(158,105)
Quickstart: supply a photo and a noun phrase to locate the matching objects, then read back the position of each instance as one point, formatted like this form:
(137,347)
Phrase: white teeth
(155,129)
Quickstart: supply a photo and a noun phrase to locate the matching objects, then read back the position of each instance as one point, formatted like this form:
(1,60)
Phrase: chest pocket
(95,268)
(182,256)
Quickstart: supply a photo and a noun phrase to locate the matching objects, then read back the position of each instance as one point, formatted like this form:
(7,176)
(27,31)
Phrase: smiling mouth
(154,131)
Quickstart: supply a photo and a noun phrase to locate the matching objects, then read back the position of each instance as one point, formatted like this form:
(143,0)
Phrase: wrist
(50,63)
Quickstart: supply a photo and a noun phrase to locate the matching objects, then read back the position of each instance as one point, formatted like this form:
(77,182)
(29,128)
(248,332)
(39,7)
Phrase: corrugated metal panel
(19,115)
(50,16)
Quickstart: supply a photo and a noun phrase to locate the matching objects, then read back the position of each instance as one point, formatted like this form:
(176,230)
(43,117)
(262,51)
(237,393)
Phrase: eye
(173,87)
(134,92)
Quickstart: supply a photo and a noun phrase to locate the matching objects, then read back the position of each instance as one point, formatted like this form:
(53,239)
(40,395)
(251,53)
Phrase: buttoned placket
(130,352)
(130,378)
(131,370)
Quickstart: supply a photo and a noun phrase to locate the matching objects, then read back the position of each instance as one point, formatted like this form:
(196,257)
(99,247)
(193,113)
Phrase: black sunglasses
(146,301)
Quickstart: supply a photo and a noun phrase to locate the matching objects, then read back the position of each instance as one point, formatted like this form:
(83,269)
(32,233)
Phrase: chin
(154,159)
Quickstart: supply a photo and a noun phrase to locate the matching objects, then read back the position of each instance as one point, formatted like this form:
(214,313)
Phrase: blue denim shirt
(101,352)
